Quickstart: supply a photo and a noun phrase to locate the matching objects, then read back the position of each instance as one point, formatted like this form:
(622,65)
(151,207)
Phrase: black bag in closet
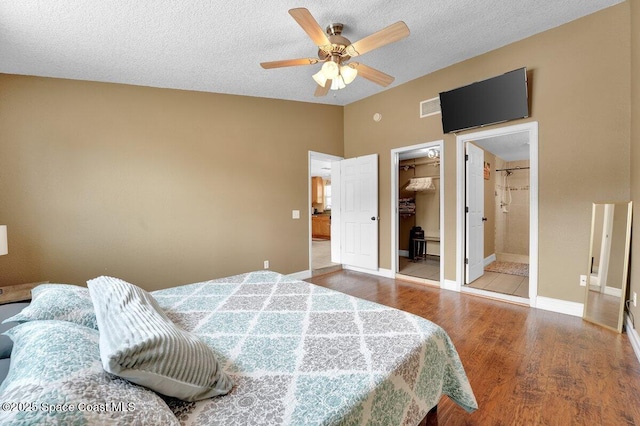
(416,232)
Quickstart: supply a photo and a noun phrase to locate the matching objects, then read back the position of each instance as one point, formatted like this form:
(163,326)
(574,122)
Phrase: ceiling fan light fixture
(334,49)
(320,78)
(348,74)
(330,70)
(337,83)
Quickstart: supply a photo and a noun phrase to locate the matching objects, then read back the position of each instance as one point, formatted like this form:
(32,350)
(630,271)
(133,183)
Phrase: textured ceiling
(217,46)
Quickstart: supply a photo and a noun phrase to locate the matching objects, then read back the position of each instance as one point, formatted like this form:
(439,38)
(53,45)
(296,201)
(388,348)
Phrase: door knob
(373,218)
(484,219)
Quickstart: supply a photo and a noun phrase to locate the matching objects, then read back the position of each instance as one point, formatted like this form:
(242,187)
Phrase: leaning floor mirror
(608,264)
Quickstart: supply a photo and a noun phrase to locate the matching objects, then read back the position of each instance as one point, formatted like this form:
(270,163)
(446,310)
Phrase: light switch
(295,214)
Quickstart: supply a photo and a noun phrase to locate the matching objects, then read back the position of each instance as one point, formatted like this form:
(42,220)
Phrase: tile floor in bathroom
(515,285)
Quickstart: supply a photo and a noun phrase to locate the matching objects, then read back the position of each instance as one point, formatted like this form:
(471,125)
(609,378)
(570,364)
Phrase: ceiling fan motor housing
(338,44)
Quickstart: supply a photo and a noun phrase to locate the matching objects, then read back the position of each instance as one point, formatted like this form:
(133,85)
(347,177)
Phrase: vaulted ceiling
(217,46)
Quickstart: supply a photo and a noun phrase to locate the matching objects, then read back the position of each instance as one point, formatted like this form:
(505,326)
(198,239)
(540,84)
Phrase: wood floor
(526,366)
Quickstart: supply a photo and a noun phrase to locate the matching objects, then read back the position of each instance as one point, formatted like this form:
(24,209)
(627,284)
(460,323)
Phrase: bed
(297,354)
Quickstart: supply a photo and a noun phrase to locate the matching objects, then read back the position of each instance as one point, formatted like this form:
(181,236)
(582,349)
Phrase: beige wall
(159,187)
(580,79)
(635,149)
(513,227)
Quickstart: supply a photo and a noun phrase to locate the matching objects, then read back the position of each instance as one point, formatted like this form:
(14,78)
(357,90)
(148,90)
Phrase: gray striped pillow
(139,343)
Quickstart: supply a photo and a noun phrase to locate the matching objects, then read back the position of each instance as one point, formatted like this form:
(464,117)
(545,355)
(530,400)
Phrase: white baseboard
(494,295)
(450,285)
(302,275)
(489,259)
(418,280)
(612,291)
(386,273)
(545,303)
(634,338)
(560,306)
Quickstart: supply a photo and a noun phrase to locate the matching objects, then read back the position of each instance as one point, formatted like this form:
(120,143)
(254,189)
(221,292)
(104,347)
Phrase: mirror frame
(625,271)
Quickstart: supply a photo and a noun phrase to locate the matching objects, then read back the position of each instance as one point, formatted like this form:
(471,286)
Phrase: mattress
(301,354)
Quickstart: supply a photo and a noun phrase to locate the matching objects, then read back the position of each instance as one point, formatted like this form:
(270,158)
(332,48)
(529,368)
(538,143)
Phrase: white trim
(489,259)
(386,273)
(612,291)
(634,338)
(313,155)
(449,285)
(395,164)
(495,295)
(460,213)
(301,275)
(417,280)
(532,128)
(560,306)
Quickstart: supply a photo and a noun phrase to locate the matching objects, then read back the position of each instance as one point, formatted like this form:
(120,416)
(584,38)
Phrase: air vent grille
(430,107)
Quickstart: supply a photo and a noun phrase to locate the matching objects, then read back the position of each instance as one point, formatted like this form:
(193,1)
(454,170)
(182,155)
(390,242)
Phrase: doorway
(506,215)
(320,203)
(417,183)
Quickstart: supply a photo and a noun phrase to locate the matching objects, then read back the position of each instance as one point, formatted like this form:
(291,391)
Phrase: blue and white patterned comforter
(301,354)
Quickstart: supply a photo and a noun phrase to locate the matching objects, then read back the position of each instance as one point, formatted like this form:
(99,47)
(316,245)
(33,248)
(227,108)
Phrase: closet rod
(512,168)
(421,163)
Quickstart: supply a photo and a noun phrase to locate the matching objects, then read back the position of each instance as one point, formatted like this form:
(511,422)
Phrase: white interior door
(474,267)
(354,214)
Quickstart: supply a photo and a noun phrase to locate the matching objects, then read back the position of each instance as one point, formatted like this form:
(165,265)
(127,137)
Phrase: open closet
(419,214)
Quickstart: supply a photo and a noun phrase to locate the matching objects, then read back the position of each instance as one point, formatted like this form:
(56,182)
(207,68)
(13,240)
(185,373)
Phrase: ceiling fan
(335,51)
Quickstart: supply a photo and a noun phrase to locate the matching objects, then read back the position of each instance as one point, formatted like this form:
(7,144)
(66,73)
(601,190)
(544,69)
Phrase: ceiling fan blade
(372,74)
(289,63)
(322,91)
(309,24)
(388,35)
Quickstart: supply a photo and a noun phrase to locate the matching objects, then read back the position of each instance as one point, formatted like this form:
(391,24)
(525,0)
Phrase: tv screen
(490,101)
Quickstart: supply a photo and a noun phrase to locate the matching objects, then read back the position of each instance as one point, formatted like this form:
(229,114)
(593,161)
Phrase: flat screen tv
(490,101)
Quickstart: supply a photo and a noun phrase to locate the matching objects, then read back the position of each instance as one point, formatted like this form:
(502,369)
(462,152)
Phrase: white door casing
(474,223)
(356,181)
(336,216)
(395,195)
(531,128)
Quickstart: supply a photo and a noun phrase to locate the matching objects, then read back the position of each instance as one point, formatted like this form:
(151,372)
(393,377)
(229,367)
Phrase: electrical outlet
(266,264)
(583,280)
(635,299)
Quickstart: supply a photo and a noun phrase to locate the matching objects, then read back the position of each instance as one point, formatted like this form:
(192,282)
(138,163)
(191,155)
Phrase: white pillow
(139,343)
